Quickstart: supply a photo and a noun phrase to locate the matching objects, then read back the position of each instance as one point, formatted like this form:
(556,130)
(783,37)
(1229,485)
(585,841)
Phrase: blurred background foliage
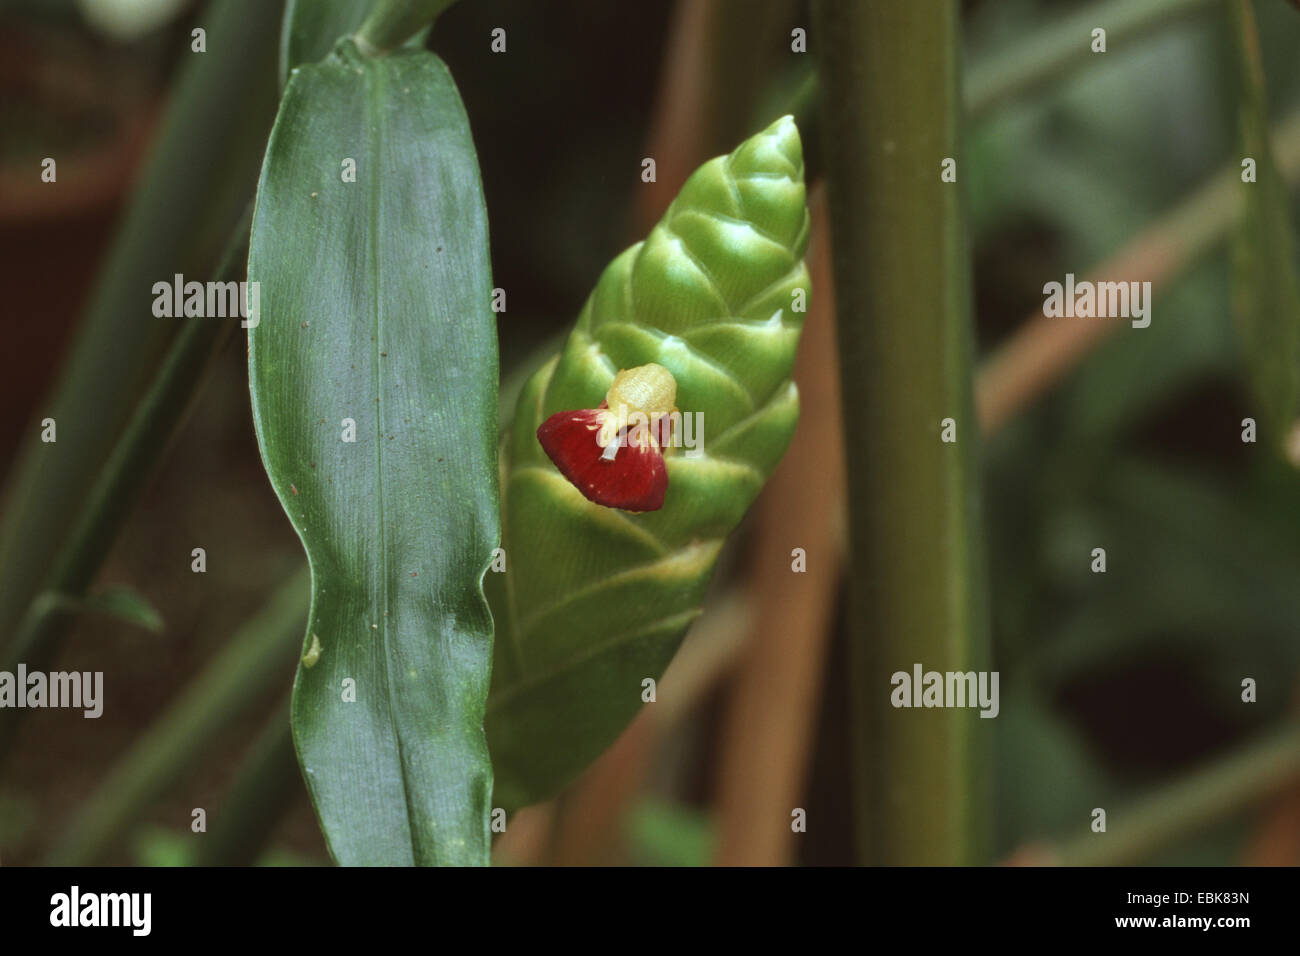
(1112,685)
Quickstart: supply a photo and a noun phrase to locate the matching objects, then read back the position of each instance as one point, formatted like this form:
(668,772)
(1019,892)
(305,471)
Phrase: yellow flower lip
(649,390)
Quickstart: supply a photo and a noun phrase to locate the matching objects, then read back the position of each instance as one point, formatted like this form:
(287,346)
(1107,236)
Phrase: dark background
(1110,684)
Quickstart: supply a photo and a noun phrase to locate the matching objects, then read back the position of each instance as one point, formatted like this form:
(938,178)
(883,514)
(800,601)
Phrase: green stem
(199,177)
(257,660)
(902,290)
(392,22)
(101,514)
(1204,798)
(267,784)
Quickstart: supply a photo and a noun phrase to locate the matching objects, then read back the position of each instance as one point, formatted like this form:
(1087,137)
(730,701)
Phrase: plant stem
(199,177)
(772,709)
(392,22)
(902,287)
(709,78)
(101,514)
(1205,797)
(258,657)
(1043,350)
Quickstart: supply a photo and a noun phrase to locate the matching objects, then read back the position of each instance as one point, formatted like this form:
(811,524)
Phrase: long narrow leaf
(373,375)
(201,170)
(94,523)
(245,670)
(1265,281)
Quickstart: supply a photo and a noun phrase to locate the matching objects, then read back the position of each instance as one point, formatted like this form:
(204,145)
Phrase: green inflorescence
(595,600)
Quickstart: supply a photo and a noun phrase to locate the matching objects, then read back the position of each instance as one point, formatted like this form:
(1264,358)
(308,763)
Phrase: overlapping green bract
(595,600)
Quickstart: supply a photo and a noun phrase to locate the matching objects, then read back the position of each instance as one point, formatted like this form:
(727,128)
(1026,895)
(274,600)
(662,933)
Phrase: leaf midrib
(374,111)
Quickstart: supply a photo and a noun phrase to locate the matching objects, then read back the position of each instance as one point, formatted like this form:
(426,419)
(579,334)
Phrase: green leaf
(125,604)
(376,314)
(243,672)
(122,603)
(1266,286)
(312,28)
(193,189)
(595,600)
(1046,782)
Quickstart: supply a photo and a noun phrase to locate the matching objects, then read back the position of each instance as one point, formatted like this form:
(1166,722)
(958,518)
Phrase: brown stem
(1044,350)
(770,720)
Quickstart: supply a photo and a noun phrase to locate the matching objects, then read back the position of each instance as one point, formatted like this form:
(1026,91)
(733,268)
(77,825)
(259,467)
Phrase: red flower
(613,454)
